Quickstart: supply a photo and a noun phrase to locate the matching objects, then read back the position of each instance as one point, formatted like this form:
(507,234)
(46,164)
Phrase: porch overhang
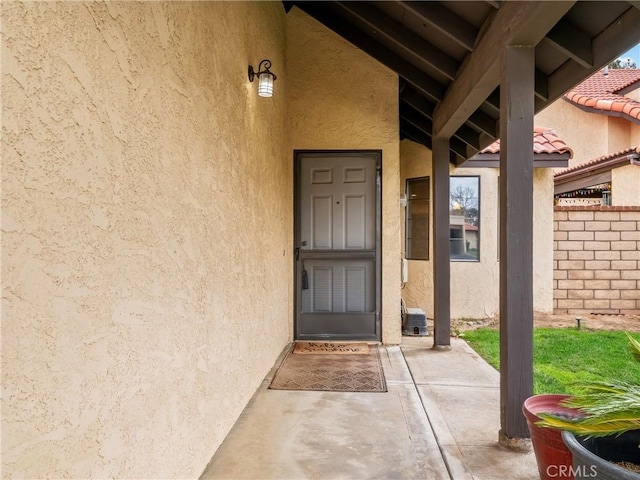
(447,55)
(468,72)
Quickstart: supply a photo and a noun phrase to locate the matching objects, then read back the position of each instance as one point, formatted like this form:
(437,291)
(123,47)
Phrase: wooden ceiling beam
(445,21)
(480,120)
(405,135)
(458,147)
(619,37)
(485,123)
(416,126)
(415,133)
(413,75)
(572,41)
(439,17)
(411,97)
(416,119)
(395,32)
(541,84)
(469,136)
(541,91)
(421,119)
(515,23)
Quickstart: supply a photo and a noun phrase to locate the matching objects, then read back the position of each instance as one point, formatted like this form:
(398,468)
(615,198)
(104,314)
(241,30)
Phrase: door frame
(297,269)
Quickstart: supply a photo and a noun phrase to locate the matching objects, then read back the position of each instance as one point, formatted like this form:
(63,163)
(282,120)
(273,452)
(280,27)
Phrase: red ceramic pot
(552,455)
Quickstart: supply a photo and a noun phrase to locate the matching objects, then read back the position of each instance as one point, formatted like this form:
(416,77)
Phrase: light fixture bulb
(265,85)
(265,78)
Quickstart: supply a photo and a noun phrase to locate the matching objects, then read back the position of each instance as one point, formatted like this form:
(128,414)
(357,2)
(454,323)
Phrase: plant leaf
(635,347)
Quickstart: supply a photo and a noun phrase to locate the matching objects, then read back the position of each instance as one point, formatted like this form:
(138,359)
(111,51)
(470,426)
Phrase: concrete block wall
(596,260)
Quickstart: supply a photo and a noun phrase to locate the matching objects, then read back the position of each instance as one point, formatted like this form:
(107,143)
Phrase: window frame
(479,226)
(408,253)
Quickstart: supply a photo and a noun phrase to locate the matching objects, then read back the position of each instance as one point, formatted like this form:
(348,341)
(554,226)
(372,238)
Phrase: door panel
(339,286)
(355,222)
(321,235)
(337,238)
(338,203)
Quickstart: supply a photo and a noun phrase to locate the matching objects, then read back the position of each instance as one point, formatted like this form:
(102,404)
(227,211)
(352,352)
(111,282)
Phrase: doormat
(332,348)
(331,373)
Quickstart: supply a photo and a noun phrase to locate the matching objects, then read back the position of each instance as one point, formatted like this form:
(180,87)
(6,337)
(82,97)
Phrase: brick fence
(596,260)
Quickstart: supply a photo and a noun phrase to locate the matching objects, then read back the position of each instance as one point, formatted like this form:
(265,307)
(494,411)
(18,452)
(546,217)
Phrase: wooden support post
(516,239)
(441,266)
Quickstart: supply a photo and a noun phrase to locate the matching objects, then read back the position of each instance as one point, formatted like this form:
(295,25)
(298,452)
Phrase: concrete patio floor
(439,420)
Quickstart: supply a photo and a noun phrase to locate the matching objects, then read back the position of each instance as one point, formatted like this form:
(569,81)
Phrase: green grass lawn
(564,355)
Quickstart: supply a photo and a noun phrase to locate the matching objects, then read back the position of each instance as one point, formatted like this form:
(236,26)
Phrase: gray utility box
(414,322)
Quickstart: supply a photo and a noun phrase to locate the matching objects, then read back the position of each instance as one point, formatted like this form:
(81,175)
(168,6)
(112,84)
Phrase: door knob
(304,243)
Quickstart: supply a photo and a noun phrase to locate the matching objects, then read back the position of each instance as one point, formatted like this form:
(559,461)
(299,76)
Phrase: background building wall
(146,232)
(575,126)
(342,99)
(619,133)
(606,134)
(475,285)
(625,186)
(634,133)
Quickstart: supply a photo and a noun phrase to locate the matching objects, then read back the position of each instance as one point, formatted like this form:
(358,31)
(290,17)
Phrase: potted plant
(605,438)
(553,457)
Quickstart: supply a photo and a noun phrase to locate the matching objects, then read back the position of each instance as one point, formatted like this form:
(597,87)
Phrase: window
(417,219)
(464,218)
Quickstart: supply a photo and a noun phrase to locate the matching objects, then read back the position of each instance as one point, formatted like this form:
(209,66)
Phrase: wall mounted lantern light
(265,78)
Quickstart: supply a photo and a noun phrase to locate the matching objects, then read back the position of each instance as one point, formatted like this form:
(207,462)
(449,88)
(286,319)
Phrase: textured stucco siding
(342,99)
(146,232)
(586,133)
(475,286)
(619,133)
(634,94)
(634,134)
(625,186)
(543,240)
(417,161)
(590,135)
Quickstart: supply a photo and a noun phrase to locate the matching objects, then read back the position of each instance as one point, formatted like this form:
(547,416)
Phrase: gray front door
(337,245)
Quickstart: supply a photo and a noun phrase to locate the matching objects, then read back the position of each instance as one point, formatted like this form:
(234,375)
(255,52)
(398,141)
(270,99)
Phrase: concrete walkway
(439,420)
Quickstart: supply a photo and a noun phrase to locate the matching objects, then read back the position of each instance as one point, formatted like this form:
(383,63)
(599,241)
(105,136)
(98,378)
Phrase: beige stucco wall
(417,161)
(340,98)
(475,285)
(625,185)
(634,94)
(590,135)
(586,133)
(146,232)
(634,127)
(543,240)
(634,134)
(619,130)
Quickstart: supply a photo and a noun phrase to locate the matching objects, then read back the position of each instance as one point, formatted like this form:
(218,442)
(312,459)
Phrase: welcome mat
(331,373)
(315,348)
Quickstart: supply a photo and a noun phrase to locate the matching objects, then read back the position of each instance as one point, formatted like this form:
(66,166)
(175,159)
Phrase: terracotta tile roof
(545,141)
(594,163)
(600,93)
